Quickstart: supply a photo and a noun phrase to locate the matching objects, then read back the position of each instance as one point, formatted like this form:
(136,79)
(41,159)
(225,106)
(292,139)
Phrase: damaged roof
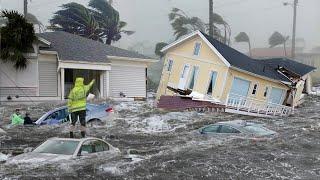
(73,47)
(267,67)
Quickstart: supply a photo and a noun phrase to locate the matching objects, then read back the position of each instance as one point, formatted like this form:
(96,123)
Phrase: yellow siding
(207,61)
(262,84)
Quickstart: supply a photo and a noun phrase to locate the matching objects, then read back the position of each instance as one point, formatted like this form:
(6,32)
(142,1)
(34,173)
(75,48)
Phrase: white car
(60,149)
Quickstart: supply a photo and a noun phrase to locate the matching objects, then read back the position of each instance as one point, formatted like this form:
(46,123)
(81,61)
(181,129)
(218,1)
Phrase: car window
(57,147)
(53,115)
(228,129)
(88,147)
(211,129)
(101,146)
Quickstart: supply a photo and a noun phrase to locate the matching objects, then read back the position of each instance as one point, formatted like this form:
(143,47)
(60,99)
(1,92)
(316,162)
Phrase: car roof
(235,123)
(73,139)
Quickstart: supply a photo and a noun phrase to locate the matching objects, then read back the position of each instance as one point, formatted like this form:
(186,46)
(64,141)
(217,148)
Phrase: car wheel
(94,122)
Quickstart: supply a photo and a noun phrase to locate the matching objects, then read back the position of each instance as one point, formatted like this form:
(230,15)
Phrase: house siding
(130,80)
(48,76)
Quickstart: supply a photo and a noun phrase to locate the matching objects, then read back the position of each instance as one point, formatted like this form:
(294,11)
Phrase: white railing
(251,105)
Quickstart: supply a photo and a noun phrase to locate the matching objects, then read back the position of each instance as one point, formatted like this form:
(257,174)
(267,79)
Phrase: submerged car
(61,149)
(96,114)
(238,128)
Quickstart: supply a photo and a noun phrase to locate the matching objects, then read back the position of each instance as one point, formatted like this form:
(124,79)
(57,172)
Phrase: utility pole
(211,31)
(293,48)
(25,7)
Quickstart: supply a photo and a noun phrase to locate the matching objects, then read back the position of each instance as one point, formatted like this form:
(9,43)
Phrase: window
(170,63)
(101,146)
(58,147)
(228,129)
(210,129)
(194,76)
(212,82)
(197,47)
(266,92)
(88,147)
(185,70)
(255,89)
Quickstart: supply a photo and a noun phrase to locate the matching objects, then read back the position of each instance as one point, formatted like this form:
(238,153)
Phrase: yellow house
(215,72)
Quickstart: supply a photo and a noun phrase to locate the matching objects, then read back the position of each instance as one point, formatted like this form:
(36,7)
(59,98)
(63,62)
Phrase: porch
(69,71)
(249,106)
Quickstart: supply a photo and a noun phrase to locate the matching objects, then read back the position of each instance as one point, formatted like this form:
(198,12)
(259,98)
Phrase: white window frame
(266,91)
(209,82)
(196,76)
(194,48)
(168,65)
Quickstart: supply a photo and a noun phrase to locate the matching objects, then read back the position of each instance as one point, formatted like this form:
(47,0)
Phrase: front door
(184,77)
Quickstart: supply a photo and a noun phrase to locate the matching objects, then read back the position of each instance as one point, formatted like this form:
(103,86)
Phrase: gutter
(131,59)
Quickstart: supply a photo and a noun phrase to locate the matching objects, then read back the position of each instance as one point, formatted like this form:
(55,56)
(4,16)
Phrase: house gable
(185,47)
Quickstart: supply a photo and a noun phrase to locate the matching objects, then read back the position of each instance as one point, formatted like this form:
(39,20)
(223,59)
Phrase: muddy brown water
(173,150)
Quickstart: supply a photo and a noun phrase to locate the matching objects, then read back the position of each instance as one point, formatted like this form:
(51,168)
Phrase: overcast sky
(149,18)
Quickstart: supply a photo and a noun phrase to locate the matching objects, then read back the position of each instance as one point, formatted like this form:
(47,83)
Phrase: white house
(60,57)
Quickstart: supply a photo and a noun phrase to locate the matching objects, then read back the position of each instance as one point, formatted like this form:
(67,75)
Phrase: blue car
(96,114)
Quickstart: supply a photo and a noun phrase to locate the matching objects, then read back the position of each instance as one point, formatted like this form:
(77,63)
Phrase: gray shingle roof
(77,48)
(266,67)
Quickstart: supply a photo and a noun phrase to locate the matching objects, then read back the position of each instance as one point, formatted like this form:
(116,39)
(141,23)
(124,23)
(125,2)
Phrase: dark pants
(81,115)
(82,119)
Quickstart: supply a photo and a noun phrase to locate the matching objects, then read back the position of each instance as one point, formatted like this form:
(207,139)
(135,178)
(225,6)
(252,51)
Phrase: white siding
(48,78)
(18,82)
(127,79)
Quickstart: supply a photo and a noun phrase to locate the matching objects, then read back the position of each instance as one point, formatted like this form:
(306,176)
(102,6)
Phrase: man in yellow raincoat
(77,101)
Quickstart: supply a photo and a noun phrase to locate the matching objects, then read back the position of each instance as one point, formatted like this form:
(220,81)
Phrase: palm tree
(243,37)
(182,24)
(218,20)
(158,48)
(100,22)
(276,39)
(76,19)
(109,20)
(34,20)
(16,39)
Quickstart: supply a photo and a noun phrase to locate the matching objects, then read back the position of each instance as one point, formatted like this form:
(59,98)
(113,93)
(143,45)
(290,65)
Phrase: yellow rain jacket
(77,99)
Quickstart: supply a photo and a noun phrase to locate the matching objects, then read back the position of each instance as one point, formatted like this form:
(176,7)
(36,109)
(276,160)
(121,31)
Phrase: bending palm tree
(16,39)
(276,39)
(243,37)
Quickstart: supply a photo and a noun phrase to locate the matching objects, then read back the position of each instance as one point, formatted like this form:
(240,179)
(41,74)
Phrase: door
(184,76)
(276,96)
(240,87)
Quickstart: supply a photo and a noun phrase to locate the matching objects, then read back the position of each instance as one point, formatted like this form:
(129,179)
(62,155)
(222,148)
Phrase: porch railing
(251,105)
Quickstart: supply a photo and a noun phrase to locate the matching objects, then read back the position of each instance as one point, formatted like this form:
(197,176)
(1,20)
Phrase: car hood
(38,158)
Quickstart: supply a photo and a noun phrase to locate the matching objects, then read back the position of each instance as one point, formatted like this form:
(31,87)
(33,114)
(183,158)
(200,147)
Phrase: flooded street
(165,145)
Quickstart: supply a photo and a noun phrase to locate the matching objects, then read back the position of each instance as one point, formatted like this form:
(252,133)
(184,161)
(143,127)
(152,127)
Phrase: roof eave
(132,59)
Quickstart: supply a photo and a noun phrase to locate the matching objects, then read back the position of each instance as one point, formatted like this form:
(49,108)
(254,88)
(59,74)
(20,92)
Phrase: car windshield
(258,130)
(65,147)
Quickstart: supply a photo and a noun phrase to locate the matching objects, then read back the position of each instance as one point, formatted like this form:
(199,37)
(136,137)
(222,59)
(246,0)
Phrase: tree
(158,48)
(243,37)
(99,22)
(276,39)
(182,24)
(16,39)
(34,20)
(109,20)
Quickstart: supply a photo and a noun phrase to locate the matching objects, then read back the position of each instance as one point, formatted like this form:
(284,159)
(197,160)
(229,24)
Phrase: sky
(149,18)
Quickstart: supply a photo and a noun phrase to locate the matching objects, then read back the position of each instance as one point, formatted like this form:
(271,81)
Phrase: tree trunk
(285,49)
(211,30)
(250,52)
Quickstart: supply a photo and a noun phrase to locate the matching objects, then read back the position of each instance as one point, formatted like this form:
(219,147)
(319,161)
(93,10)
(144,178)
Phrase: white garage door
(129,80)
(48,78)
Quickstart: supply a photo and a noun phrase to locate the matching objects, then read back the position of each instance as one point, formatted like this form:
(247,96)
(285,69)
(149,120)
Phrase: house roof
(266,68)
(77,48)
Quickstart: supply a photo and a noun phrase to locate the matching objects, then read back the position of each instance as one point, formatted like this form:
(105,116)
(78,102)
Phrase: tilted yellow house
(221,74)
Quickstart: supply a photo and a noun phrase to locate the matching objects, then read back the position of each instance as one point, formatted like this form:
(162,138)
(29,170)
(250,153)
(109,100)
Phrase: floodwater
(165,145)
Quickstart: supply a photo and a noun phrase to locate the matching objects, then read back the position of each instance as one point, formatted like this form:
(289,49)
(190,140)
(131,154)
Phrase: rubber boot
(83,134)
(71,135)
